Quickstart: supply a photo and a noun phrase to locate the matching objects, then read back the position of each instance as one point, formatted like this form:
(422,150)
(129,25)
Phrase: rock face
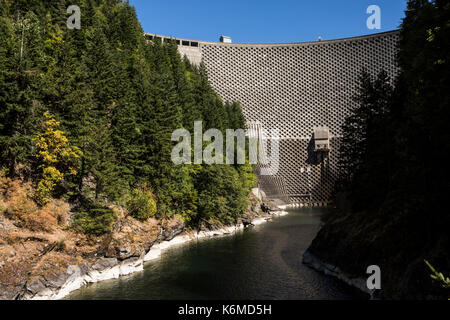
(131,239)
(49,265)
(349,243)
(123,254)
(37,265)
(360,283)
(170,231)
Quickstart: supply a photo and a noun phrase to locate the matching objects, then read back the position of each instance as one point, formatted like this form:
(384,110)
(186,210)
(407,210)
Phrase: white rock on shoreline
(328,269)
(77,279)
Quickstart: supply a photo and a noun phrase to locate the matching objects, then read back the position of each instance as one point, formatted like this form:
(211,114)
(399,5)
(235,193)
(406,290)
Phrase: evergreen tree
(117,98)
(394,143)
(20,56)
(364,144)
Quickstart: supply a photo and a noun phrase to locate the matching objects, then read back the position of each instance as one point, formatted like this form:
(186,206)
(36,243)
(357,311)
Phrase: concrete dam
(305,90)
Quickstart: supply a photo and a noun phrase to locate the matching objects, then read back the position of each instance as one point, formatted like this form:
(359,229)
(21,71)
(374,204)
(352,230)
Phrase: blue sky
(262,21)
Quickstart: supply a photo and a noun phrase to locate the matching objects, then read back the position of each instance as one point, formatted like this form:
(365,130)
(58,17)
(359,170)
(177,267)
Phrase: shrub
(142,203)
(54,213)
(2,206)
(222,196)
(60,246)
(4,186)
(60,209)
(41,220)
(20,204)
(439,276)
(4,183)
(248,176)
(93,219)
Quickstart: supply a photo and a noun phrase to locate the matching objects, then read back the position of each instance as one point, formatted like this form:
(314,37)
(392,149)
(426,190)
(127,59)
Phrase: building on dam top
(305,90)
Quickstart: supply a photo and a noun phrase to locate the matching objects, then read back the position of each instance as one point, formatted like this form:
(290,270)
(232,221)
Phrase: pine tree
(117,98)
(19,57)
(362,157)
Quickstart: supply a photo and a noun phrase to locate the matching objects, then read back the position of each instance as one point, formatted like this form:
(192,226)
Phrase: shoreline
(312,261)
(112,268)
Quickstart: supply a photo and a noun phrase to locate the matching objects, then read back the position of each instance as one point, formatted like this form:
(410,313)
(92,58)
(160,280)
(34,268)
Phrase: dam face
(299,89)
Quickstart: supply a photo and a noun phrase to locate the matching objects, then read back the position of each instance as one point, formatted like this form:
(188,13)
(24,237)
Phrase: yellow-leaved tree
(56,158)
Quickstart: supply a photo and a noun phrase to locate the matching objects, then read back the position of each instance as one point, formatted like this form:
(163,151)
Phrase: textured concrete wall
(189,48)
(296,87)
(192,53)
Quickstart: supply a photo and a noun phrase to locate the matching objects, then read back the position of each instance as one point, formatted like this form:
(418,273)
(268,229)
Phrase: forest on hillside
(394,181)
(87,116)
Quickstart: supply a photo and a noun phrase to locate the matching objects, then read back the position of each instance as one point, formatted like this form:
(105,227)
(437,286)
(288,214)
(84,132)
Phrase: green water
(264,262)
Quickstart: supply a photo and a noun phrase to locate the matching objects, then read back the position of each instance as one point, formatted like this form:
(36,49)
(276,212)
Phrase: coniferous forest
(87,116)
(392,193)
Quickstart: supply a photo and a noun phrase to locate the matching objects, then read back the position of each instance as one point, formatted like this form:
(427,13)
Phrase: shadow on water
(264,262)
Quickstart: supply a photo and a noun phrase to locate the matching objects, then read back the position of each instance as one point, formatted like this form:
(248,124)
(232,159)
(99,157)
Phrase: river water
(264,262)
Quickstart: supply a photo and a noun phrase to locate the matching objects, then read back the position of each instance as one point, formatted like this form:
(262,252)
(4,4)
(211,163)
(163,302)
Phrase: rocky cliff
(349,243)
(49,265)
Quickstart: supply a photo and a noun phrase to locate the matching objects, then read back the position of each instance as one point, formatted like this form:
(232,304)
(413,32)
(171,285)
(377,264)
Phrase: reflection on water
(264,262)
